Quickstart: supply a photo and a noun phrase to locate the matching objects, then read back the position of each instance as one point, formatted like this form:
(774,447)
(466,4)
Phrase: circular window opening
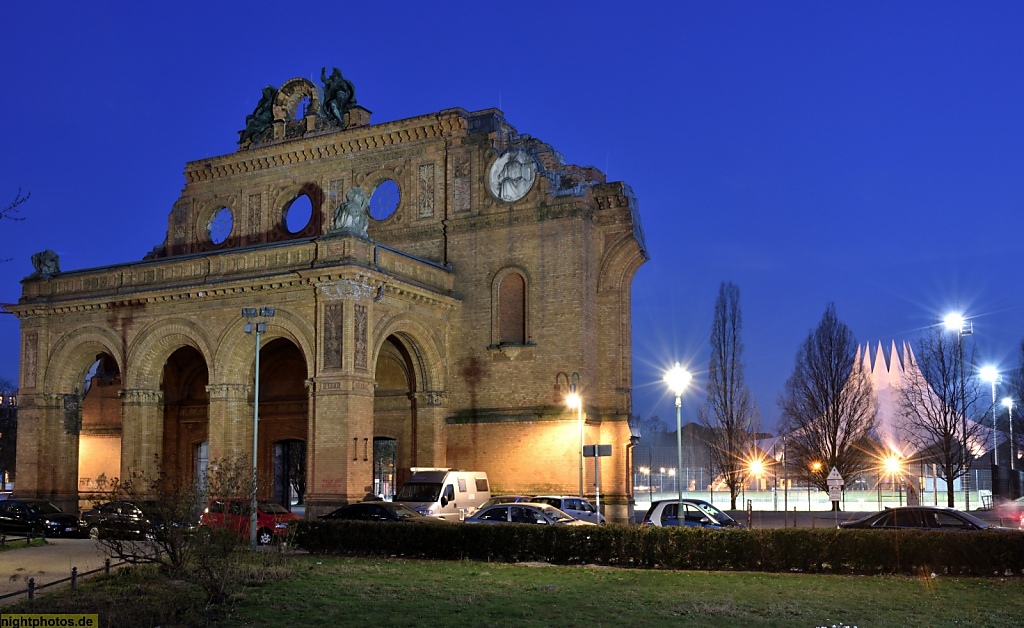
(298,214)
(220,225)
(384,200)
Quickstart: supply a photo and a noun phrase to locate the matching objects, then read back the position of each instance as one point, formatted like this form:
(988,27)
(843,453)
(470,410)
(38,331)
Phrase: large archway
(186,411)
(283,421)
(394,416)
(99,442)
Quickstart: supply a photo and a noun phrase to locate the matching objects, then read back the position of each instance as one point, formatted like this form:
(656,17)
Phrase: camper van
(444,493)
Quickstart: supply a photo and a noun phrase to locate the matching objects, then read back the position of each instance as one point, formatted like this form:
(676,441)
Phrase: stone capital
(141,396)
(228,392)
(431,398)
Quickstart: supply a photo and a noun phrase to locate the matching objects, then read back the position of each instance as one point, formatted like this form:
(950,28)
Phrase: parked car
(38,516)
(120,519)
(379,511)
(524,512)
(697,513)
(444,493)
(506,499)
(271,519)
(578,508)
(920,518)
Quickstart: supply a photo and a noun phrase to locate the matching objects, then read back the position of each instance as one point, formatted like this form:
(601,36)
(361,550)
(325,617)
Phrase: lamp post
(1008,403)
(678,379)
(991,375)
(256,327)
(963,327)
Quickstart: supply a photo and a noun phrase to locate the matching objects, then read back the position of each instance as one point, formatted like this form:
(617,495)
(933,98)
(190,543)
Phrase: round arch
(620,264)
(156,343)
(75,353)
(427,356)
(233,360)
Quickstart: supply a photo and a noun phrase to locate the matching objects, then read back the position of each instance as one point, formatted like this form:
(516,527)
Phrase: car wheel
(264,536)
(94,532)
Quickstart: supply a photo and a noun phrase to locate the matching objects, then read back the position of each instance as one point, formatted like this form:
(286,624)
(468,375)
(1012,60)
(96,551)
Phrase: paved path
(46,563)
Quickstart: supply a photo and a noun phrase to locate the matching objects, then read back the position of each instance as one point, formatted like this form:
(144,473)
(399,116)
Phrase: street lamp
(963,327)
(1008,403)
(678,379)
(574,400)
(893,466)
(255,327)
(991,375)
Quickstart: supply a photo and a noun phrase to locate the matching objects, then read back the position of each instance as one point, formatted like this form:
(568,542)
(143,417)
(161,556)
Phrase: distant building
(431,278)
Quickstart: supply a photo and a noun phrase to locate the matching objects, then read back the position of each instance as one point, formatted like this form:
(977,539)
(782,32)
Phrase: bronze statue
(339,95)
(46,263)
(261,117)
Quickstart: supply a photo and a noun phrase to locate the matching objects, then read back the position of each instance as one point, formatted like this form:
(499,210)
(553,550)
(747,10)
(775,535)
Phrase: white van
(444,493)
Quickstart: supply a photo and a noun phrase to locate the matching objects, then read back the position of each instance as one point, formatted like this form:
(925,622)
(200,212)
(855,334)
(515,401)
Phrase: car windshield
(418,492)
(714,513)
(556,515)
(42,508)
(403,512)
(271,508)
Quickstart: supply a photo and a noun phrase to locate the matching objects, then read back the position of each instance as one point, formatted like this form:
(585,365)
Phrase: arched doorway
(186,403)
(283,419)
(394,417)
(99,441)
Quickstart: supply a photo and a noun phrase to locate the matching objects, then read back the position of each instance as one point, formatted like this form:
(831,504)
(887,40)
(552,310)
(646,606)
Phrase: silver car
(578,508)
(524,513)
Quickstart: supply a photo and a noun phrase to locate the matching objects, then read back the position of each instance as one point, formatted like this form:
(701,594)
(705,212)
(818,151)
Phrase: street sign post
(597,452)
(835,490)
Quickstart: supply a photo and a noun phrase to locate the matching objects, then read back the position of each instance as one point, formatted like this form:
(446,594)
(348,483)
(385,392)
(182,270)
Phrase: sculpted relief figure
(339,95)
(261,117)
(353,215)
(46,263)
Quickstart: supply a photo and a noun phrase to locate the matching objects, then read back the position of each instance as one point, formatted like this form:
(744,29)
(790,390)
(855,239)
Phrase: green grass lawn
(324,591)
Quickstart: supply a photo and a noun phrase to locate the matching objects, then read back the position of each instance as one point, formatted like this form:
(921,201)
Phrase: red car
(271,519)
(1010,512)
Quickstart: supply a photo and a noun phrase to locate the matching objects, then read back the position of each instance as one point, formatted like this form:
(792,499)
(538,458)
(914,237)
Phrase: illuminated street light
(893,465)
(1008,403)
(963,327)
(991,375)
(258,327)
(678,379)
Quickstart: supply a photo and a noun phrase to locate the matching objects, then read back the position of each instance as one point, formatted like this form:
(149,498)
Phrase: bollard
(74,577)
(31,588)
(3,540)
(794,516)
(106,567)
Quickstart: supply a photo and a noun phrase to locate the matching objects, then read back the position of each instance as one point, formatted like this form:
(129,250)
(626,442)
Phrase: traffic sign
(834,479)
(835,493)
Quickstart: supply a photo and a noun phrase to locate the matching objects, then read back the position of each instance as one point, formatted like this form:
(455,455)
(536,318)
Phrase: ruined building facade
(435,331)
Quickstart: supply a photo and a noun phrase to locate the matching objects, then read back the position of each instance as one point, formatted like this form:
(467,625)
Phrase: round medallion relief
(512,175)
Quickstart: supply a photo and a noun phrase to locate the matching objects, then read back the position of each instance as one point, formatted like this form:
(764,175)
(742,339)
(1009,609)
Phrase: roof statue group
(339,96)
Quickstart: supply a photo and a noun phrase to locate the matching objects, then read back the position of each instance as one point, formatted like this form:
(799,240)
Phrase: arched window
(511,312)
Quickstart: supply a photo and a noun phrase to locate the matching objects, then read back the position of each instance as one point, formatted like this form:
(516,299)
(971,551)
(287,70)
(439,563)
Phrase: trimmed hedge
(774,550)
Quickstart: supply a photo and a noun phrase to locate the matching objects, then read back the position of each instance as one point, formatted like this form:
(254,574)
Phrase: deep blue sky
(870,154)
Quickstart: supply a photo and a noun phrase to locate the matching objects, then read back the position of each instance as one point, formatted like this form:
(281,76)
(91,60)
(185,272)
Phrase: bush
(984,553)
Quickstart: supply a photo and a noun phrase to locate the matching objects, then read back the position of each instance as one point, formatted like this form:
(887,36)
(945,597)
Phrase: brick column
(431,446)
(48,448)
(142,433)
(230,423)
(341,435)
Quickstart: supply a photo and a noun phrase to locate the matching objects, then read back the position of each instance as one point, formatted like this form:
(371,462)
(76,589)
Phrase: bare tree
(931,404)
(828,407)
(10,212)
(729,415)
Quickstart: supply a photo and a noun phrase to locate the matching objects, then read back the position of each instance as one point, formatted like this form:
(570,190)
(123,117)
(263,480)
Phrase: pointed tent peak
(881,360)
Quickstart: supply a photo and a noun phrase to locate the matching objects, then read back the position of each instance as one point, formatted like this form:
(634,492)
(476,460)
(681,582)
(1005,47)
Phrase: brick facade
(400,335)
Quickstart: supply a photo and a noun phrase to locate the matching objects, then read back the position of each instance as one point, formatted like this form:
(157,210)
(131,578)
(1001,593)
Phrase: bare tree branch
(10,212)
(730,415)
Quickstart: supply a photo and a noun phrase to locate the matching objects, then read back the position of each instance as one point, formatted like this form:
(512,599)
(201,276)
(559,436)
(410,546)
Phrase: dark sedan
(36,516)
(920,518)
(121,519)
(379,511)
